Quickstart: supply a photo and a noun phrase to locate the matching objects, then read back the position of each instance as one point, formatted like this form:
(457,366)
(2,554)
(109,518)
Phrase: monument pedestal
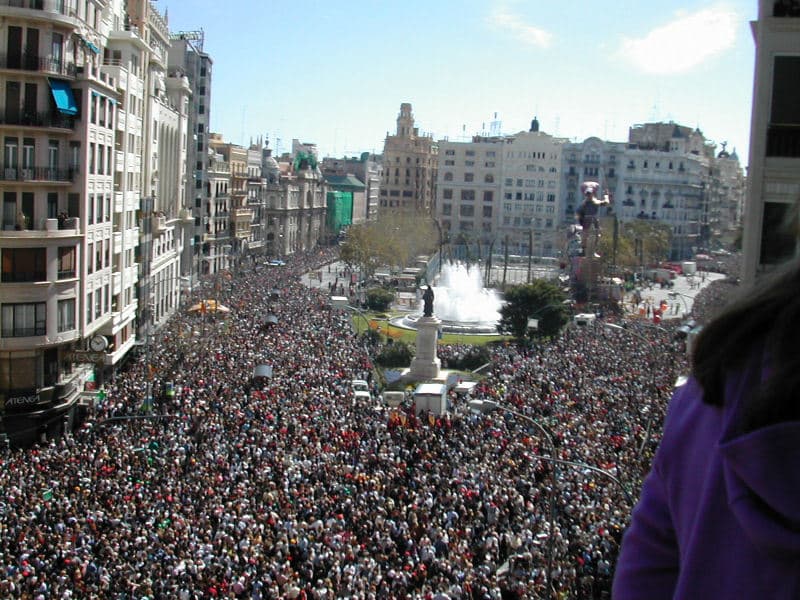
(426,364)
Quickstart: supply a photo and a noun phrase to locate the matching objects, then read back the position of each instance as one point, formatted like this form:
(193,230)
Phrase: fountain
(462,303)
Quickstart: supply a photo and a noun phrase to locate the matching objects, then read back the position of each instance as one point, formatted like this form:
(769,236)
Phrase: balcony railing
(37,174)
(35,119)
(783,141)
(41,64)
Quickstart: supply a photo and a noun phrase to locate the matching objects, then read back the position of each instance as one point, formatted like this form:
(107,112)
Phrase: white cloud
(684,43)
(504,19)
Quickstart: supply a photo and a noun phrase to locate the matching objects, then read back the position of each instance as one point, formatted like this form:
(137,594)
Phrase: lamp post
(441,242)
(486,406)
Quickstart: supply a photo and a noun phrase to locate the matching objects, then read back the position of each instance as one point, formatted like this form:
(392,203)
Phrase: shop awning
(63,97)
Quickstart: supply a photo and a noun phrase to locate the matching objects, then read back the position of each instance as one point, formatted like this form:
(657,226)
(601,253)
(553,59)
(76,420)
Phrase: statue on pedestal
(427,298)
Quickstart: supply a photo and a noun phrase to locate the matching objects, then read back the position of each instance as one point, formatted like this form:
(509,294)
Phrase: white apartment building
(468,190)
(773,182)
(166,223)
(501,193)
(216,244)
(187,57)
(531,194)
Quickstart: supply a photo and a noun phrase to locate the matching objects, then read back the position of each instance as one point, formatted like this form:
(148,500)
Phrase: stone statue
(427,298)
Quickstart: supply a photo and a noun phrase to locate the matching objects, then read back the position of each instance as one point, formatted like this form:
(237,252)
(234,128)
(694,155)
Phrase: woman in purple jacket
(719,515)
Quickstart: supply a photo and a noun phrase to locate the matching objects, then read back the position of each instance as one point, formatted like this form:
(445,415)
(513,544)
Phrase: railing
(23,276)
(43,64)
(35,119)
(59,6)
(37,174)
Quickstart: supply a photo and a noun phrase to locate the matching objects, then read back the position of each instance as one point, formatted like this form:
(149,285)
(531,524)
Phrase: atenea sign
(22,400)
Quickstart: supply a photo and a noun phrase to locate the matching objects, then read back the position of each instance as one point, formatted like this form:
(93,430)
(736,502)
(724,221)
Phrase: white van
(360,384)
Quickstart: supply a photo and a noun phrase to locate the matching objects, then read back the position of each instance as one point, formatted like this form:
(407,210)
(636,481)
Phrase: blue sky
(335,73)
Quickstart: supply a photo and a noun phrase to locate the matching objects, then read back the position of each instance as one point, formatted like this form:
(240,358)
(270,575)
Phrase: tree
(397,354)
(379,299)
(540,300)
(394,241)
(655,241)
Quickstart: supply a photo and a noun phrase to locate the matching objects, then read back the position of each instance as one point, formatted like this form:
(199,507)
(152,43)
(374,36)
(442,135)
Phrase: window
(24,265)
(490,154)
(489,164)
(23,320)
(447,209)
(450,152)
(448,176)
(469,163)
(487,212)
(449,163)
(488,178)
(467,195)
(11,157)
(467,210)
(98,304)
(66,262)
(470,153)
(488,196)
(66,315)
(469,177)
(447,194)
(509,181)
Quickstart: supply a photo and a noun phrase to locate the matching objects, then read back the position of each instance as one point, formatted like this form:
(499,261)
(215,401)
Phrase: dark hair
(761,326)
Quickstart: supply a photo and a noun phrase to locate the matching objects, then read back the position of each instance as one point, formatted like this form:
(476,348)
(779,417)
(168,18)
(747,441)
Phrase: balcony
(38,174)
(15,116)
(159,224)
(57,6)
(38,64)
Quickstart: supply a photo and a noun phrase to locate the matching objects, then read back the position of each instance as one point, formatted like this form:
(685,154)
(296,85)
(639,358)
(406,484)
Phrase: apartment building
(256,200)
(186,57)
(529,219)
(409,167)
(74,76)
(296,204)
(166,223)
(773,182)
(592,159)
(367,168)
(240,214)
(468,191)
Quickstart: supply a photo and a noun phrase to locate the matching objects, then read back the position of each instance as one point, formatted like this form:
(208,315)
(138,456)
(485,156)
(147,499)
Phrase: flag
(47,495)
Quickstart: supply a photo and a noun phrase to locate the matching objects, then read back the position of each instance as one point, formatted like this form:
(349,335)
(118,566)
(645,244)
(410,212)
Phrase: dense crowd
(289,487)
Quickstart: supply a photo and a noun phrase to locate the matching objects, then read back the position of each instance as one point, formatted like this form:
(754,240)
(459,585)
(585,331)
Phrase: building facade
(409,167)
(773,177)
(94,133)
(186,57)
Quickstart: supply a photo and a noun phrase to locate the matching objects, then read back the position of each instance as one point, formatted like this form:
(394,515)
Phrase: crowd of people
(287,486)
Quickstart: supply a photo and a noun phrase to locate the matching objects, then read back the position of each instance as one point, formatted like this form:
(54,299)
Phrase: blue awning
(88,44)
(64,99)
